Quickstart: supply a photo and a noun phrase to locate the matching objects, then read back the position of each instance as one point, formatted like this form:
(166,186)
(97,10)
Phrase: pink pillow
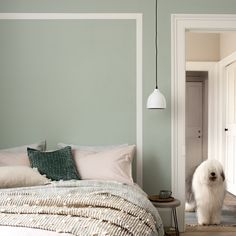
(115,164)
(14,159)
(17,156)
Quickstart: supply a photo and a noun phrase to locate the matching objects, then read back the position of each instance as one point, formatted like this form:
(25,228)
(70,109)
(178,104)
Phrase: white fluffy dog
(208,187)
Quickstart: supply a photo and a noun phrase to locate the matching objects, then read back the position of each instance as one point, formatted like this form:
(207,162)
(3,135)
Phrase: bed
(78,207)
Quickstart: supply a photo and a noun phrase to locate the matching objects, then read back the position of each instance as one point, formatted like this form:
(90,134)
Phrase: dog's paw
(190,207)
(203,223)
(215,222)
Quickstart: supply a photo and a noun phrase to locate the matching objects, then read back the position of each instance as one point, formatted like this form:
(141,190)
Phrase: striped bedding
(81,208)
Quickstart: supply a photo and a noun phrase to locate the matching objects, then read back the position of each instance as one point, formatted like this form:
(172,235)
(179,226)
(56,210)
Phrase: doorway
(214,46)
(180,24)
(197,138)
(196,106)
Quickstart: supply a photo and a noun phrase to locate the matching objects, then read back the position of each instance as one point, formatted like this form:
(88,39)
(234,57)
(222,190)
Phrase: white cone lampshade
(156,100)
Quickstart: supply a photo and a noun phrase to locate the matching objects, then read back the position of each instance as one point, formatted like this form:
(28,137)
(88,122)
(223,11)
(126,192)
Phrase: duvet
(82,208)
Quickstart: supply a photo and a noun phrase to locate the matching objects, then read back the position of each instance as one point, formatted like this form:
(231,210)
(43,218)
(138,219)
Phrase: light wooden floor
(208,231)
(208,234)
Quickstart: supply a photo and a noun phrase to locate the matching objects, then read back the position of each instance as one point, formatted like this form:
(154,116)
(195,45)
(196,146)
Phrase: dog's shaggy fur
(205,192)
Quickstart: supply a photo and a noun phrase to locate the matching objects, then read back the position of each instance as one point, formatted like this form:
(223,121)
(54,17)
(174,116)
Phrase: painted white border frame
(179,24)
(138,17)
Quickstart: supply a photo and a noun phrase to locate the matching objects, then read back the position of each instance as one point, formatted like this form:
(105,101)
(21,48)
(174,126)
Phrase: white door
(230,129)
(194,110)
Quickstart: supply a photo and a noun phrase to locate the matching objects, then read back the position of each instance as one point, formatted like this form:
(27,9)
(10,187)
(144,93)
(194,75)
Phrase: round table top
(172,204)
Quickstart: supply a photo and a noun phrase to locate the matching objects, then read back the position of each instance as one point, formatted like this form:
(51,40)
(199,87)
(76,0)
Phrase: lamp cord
(156,43)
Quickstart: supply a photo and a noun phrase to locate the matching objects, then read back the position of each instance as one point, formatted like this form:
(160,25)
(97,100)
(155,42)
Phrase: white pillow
(18,155)
(115,164)
(92,148)
(39,146)
(20,176)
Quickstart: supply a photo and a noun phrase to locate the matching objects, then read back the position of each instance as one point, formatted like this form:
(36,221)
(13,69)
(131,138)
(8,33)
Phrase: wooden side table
(173,204)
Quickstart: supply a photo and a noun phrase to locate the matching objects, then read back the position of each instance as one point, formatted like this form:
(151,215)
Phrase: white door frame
(180,23)
(222,72)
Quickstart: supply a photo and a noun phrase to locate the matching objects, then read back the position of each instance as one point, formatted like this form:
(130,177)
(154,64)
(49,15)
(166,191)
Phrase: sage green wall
(67,81)
(156,124)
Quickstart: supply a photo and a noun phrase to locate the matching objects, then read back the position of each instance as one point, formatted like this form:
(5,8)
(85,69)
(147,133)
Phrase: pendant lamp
(156,99)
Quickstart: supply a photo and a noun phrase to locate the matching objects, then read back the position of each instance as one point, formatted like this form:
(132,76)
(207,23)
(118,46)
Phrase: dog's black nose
(213,173)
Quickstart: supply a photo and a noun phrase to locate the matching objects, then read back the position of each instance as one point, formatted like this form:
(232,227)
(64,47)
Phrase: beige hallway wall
(202,46)
(227,44)
(209,46)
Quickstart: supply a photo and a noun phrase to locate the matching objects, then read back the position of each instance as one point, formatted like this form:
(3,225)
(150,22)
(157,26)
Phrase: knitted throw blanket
(81,208)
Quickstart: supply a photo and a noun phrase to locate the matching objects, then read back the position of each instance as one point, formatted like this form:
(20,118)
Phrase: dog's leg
(203,216)
(215,218)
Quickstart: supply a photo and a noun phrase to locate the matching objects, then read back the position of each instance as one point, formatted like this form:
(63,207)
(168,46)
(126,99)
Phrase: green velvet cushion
(56,165)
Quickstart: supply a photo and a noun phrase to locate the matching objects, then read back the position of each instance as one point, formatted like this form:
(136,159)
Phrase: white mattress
(21,231)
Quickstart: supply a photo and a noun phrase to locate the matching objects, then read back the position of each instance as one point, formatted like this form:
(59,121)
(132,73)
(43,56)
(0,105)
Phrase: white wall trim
(70,16)
(180,23)
(138,17)
(228,60)
(222,75)
(139,98)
